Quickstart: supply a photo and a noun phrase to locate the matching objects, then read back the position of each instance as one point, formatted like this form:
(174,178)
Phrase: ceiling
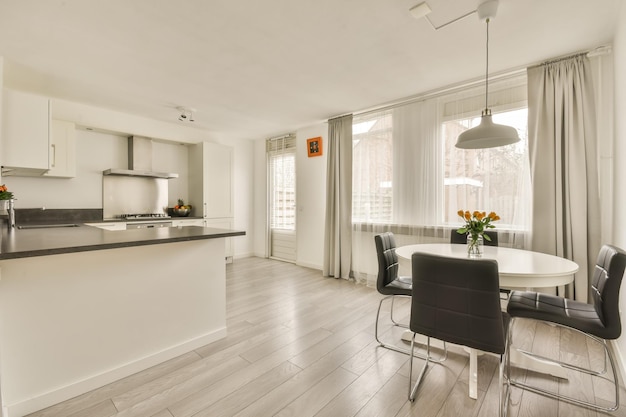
(261,68)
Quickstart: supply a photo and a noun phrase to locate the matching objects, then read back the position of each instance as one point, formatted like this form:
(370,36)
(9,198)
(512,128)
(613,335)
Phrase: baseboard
(244,255)
(310,265)
(96,381)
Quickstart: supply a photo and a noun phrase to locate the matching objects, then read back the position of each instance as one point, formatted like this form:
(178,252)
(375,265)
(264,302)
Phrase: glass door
(281,157)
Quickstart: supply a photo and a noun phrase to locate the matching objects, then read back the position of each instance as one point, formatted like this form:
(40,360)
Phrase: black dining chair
(391,285)
(457,301)
(462,238)
(599,320)
(493,235)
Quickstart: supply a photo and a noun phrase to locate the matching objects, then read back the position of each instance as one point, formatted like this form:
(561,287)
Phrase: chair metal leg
(565,398)
(395,323)
(397,348)
(413,388)
(504,376)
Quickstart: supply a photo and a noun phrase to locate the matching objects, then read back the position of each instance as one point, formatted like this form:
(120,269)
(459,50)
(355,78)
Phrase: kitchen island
(81,307)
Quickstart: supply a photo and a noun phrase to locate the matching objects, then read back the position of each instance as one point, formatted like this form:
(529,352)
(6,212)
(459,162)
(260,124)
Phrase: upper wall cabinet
(25,134)
(62,149)
(211,180)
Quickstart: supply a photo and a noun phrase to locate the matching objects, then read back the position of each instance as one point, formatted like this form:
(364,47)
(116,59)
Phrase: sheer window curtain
(338,224)
(564,167)
(410,177)
(405,167)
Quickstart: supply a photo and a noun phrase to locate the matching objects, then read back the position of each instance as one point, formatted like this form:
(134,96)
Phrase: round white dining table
(517,268)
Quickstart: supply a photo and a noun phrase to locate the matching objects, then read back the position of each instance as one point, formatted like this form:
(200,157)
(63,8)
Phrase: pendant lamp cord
(487,73)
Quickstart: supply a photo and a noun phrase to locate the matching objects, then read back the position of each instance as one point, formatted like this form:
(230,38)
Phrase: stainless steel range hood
(139,161)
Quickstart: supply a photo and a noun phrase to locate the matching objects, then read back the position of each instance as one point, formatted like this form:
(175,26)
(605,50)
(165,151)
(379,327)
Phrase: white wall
(310,198)
(260,200)
(619,220)
(244,196)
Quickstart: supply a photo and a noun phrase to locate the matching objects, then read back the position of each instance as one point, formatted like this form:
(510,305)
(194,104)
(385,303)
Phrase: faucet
(11,212)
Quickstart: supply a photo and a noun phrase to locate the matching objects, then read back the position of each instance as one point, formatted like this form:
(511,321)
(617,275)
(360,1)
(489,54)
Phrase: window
(282,177)
(486,179)
(372,198)
(407,171)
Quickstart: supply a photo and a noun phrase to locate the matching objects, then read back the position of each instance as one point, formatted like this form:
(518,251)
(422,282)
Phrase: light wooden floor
(302,345)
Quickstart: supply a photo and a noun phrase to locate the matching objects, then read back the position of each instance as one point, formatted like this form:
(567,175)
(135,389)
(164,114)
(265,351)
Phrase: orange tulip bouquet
(5,194)
(476,224)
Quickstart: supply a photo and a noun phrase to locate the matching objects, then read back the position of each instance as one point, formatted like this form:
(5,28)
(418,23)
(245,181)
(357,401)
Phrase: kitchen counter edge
(44,242)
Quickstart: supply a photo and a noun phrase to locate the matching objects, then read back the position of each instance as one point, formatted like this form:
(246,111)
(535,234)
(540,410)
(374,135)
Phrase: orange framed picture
(314,146)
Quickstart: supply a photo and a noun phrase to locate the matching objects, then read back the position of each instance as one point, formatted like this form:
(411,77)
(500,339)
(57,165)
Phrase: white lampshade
(487,135)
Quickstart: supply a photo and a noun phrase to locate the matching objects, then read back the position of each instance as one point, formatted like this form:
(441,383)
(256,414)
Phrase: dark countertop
(52,241)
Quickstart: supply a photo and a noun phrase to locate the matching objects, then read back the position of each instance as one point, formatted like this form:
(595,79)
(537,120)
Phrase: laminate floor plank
(91,398)
(199,373)
(436,386)
(236,380)
(388,400)
(458,403)
(243,340)
(309,404)
(363,388)
(162,396)
(163,413)
(274,344)
(317,351)
(301,383)
(299,344)
(577,384)
(252,391)
(104,409)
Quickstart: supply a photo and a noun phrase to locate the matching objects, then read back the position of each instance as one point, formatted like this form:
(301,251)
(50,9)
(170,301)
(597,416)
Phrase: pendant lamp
(487,134)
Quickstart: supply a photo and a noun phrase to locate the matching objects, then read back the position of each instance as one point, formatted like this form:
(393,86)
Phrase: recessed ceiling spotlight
(186,114)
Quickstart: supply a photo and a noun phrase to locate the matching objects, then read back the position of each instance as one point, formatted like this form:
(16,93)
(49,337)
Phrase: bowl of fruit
(181,209)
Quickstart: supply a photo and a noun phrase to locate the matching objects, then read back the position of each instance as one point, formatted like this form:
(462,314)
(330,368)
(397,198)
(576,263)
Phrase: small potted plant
(5,194)
(6,198)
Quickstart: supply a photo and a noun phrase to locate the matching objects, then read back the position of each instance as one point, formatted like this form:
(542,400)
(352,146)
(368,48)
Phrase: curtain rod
(556,60)
(601,50)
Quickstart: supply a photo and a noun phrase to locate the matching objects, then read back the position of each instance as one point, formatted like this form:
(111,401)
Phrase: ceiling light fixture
(487,134)
(420,10)
(186,114)
(423,10)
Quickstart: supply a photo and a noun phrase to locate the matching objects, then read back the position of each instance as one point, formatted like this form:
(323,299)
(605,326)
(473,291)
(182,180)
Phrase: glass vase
(474,246)
(4,207)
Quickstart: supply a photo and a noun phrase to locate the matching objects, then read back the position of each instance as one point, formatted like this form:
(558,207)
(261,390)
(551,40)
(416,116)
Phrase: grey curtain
(338,228)
(564,169)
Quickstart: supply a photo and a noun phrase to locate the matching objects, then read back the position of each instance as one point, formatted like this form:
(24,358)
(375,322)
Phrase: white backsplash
(133,195)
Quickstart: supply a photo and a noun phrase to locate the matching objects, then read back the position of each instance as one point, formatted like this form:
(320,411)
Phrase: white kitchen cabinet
(187,222)
(211,180)
(25,133)
(211,187)
(223,223)
(62,149)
